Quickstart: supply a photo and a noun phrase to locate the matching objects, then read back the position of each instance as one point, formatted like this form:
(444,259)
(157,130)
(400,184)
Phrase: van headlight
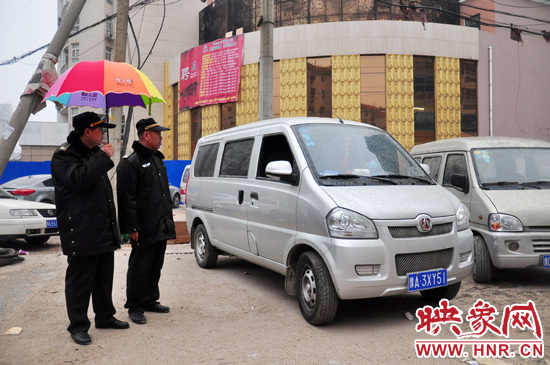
(462,218)
(23,212)
(504,223)
(343,223)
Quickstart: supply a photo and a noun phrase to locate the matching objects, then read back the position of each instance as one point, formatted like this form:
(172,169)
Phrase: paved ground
(237,313)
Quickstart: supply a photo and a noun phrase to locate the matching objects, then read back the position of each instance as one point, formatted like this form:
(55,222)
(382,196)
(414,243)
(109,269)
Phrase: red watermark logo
(481,318)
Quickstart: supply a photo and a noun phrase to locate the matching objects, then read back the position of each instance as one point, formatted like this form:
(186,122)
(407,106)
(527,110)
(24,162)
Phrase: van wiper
(396,176)
(353,176)
(504,183)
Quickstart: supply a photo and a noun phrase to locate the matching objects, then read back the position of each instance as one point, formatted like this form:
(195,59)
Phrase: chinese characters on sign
(210,74)
(481,318)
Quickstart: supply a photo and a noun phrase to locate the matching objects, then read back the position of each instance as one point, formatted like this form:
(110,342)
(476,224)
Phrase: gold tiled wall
(184,135)
(168,136)
(346,87)
(400,99)
(447,98)
(248,101)
(211,117)
(294,87)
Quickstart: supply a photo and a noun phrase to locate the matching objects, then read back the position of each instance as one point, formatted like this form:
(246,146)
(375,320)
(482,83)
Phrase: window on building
(76,25)
(74,113)
(75,53)
(110,2)
(319,72)
(424,100)
(64,59)
(473,21)
(108,53)
(468,98)
(110,34)
(373,90)
(276,89)
(229,115)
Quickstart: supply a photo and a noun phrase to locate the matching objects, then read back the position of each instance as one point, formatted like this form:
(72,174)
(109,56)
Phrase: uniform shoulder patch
(64,147)
(128,155)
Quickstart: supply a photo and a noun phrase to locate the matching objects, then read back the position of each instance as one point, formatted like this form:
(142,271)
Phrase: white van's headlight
(504,223)
(23,212)
(462,218)
(343,223)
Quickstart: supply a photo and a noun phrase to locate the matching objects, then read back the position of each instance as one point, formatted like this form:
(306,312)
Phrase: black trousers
(89,276)
(142,280)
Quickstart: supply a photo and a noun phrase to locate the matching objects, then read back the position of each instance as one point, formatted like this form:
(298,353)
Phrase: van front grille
(413,232)
(422,261)
(541,246)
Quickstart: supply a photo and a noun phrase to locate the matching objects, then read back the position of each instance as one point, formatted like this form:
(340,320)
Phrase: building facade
(420,78)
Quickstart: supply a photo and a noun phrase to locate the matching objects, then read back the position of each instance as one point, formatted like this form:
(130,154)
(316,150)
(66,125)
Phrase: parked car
(506,184)
(38,188)
(33,221)
(175,196)
(338,207)
(183,183)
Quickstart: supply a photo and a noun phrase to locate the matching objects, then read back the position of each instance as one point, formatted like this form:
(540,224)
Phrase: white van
(338,207)
(183,184)
(505,182)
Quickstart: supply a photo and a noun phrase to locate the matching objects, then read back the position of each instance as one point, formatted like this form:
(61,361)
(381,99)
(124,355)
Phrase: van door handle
(241,196)
(254,195)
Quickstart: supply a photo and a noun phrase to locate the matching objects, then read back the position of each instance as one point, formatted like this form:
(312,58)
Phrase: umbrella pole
(107,116)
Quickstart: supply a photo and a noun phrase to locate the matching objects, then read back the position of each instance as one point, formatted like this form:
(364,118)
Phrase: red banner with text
(210,74)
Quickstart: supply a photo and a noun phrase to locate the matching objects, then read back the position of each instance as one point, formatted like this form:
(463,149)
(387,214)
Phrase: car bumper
(532,246)
(27,227)
(350,262)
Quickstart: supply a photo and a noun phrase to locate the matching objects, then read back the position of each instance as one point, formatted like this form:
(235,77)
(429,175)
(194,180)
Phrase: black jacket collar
(75,140)
(141,149)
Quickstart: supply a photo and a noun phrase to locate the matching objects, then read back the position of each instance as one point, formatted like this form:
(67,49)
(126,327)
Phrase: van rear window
(206,160)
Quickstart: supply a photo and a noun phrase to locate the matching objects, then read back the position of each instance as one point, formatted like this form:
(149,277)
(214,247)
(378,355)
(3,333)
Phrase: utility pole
(265,110)
(120,56)
(29,102)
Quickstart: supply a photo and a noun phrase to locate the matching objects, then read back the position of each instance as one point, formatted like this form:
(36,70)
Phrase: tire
(316,294)
(176,201)
(38,240)
(8,253)
(444,292)
(483,266)
(205,254)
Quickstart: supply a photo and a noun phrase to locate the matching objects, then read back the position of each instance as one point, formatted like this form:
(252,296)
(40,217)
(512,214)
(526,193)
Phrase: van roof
(468,143)
(291,121)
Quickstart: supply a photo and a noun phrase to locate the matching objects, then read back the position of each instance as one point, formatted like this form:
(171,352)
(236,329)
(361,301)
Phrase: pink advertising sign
(210,73)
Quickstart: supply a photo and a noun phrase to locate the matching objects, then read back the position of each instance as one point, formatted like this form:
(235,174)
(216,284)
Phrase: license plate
(546,261)
(51,223)
(427,279)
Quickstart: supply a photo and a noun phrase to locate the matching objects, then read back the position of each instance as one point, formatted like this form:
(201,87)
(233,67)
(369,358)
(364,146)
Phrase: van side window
(435,163)
(236,158)
(274,148)
(456,164)
(206,160)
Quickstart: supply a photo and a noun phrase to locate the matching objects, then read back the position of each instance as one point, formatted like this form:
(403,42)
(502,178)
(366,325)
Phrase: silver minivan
(337,207)
(505,182)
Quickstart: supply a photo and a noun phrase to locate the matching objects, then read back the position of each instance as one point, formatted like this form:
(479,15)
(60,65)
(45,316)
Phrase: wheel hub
(201,247)
(309,288)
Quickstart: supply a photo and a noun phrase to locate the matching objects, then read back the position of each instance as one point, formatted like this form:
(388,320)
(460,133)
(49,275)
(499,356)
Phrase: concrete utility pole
(266,61)
(28,102)
(120,56)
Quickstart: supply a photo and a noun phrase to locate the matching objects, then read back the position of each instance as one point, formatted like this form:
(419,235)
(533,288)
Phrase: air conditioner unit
(110,35)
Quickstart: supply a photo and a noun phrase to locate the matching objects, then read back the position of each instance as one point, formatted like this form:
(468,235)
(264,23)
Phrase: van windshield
(340,154)
(512,168)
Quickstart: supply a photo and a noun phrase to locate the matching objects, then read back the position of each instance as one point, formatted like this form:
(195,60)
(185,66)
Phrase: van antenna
(332,111)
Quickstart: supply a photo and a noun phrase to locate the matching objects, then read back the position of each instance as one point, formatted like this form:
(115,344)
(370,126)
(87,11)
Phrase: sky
(25,25)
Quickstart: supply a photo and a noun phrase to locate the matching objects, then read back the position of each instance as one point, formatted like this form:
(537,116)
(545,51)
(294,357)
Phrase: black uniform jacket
(144,203)
(84,199)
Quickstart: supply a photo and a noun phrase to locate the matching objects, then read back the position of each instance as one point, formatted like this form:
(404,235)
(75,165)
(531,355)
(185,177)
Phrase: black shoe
(81,338)
(113,323)
(157,307)
(138,317)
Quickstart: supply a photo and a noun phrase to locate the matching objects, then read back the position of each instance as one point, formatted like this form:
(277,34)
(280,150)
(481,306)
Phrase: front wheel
(205,254)
(316,293)
(444,292)
(37,240)
(483,266)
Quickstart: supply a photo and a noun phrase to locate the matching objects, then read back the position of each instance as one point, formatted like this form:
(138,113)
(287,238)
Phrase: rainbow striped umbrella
(104,84)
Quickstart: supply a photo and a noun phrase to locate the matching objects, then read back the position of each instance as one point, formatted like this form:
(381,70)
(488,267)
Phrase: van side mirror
(278,168)
(460,182)
(426,168)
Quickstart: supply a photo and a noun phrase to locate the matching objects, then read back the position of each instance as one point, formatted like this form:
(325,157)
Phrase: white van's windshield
(512,168)
(340,154)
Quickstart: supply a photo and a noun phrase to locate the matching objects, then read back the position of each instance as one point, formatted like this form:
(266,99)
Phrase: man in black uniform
(145,213)
(87,224)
